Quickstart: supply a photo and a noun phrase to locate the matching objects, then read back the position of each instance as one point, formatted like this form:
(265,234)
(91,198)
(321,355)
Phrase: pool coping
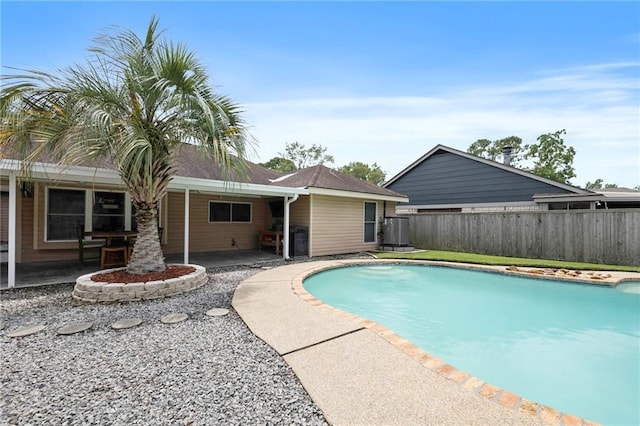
(304,330)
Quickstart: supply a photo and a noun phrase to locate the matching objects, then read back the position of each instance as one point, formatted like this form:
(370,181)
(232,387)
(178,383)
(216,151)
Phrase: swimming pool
(569,346)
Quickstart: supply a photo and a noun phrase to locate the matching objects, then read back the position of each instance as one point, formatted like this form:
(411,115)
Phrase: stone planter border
(87,290)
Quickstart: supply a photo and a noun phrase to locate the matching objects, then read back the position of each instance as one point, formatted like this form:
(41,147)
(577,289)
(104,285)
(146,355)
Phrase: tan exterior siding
(4,216)
(299,211)
(335,224)
(205,236)
(34,248)
(390,210)
(338,225)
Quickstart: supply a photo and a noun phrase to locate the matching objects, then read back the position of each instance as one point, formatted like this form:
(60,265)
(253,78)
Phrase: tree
(552,158)
(303,156)
(373,173)
(492,150)
(598,184)
(135,101)
(281,165)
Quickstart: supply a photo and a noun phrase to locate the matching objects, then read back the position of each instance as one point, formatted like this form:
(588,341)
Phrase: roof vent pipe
(506,155)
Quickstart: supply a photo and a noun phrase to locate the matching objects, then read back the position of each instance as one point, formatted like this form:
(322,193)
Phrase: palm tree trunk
(147,253)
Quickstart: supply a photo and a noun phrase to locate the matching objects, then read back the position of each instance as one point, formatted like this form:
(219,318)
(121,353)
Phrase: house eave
(360,195)
(83,174)
(465,205)
(218,186)
(561,198)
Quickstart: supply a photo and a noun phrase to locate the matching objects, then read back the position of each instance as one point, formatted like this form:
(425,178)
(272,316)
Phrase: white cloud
(598,106)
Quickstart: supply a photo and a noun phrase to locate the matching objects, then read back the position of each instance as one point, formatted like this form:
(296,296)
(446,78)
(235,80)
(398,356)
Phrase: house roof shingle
(323,177)
(191,162)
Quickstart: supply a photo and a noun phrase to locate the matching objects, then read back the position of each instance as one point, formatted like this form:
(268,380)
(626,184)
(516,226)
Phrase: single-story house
(202,211)
(448,180)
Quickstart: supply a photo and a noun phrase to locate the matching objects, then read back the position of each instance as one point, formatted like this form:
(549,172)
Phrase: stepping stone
(173,318)
(126,323)
(75,327)
(26,331)
(217,312)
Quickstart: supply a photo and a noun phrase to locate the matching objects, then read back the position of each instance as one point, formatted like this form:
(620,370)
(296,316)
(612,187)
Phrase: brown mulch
(122,276)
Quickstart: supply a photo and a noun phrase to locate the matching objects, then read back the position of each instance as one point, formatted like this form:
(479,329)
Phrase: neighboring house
(340,213)
(449,180)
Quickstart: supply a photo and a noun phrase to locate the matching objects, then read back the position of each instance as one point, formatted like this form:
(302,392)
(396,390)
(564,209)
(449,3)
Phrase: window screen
(229,212)
(65,212)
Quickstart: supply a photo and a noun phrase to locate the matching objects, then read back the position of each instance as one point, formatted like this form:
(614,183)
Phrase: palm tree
(134,102)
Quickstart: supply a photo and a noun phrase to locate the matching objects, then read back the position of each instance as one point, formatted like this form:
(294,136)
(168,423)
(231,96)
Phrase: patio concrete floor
(59,272)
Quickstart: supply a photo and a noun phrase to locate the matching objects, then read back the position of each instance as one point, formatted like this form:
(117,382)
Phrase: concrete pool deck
(359,372)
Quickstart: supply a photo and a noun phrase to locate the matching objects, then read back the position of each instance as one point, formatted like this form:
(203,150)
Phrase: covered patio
(16,272)
(60,272)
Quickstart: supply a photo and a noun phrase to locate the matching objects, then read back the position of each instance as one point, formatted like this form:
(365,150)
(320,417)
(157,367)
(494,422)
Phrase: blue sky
(386,81)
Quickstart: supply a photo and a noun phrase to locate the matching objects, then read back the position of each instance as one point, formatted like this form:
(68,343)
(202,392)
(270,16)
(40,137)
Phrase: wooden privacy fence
(596,236)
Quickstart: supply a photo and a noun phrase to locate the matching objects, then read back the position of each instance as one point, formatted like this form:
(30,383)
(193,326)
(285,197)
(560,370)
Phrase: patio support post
(285,228)
(186,225)
(13,208)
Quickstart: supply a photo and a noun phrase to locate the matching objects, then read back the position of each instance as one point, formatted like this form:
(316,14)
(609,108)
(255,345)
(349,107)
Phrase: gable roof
(443,148)
(322,177)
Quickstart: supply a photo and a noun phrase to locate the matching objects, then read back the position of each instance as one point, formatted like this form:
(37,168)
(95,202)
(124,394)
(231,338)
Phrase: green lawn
(483,259)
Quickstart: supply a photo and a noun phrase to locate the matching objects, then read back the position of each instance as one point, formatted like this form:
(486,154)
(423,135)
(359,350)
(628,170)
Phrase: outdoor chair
(116,255)
(89,246)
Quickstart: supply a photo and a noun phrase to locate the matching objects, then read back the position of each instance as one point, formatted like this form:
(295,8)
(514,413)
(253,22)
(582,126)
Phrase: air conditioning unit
(395,231)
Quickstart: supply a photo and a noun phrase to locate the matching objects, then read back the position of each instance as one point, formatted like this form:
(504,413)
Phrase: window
(229,212)
(66,209)
(65,212)
(108,211)
(370,222)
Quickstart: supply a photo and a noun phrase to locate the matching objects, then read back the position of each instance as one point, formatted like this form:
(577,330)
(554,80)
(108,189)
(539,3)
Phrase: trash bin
(298,241)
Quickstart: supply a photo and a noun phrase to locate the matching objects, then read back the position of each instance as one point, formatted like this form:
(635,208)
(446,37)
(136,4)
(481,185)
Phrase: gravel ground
(205,370)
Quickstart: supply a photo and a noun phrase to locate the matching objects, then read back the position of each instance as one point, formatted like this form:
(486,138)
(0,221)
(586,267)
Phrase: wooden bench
(270,239)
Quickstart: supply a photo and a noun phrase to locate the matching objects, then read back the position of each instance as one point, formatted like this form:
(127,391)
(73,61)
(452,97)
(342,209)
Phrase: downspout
(285,228)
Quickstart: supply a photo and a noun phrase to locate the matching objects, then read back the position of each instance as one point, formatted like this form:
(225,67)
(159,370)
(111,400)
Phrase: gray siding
(446,178)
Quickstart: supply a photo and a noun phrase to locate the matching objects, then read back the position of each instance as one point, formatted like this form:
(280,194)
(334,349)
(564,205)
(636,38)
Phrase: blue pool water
(569,346)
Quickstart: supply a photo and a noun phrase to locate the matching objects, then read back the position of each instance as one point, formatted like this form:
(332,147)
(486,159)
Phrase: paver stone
(26,331)
(173,318)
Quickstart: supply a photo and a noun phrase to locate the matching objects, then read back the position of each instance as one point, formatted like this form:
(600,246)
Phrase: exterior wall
(299,211)
(446,179)
(4,216)
(33,247)
(337,225)
(205,236)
